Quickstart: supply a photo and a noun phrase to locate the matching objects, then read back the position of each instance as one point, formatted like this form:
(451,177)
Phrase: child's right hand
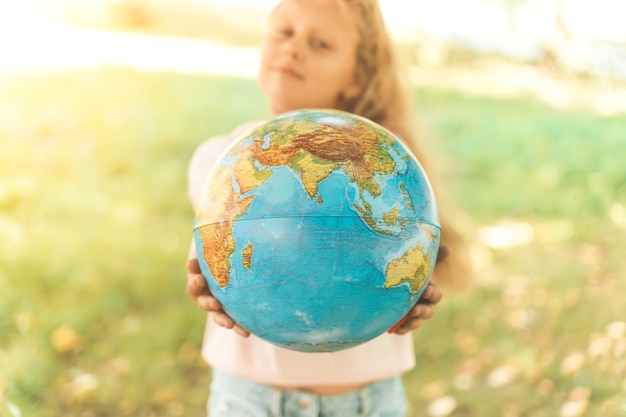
(198,290)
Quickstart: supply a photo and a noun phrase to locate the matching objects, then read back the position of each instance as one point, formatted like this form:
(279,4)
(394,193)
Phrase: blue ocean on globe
(317,230)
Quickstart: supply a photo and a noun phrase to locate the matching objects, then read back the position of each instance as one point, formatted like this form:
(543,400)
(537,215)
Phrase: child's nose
(294,47)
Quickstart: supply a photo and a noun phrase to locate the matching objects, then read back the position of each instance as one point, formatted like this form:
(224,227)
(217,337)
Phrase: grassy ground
(95,226)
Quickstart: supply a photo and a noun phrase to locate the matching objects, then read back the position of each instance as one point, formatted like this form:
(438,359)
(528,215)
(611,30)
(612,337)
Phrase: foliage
(95,226)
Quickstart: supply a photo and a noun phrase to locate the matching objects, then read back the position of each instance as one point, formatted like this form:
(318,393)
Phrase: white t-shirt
(255,359)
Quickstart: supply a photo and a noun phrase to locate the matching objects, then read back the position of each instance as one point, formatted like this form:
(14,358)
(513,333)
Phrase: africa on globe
(317,230)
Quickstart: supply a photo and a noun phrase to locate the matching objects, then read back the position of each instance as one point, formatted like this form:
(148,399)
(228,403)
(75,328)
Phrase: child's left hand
(423,310)
(425,307)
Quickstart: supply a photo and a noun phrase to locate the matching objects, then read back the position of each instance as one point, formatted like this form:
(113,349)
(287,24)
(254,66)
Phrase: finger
(197,286)
(431,295)
(426,295)
(198,289)
(209,303)
(409,325)
(223,319)
(241,331)
(422,311)
(398,324)
(193,266)
(199,281)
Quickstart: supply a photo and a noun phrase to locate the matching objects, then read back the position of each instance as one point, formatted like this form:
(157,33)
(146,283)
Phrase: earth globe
(317,230)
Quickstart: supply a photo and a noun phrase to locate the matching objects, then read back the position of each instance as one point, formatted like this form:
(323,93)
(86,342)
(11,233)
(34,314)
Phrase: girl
(324,54)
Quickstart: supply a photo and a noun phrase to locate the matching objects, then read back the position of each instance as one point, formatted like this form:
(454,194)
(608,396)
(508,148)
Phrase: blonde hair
(385,99)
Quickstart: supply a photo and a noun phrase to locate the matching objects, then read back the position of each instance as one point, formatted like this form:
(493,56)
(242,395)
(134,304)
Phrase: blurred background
(103,102)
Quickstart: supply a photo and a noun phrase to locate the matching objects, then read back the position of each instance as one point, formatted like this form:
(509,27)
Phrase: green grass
(536,305)
(95,225)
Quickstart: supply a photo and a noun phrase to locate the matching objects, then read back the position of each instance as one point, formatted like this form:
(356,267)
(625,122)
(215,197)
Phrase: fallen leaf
(518,319)
(580,394)
(120,366)
(14,409)
(442,407)
(84,384)
(64,339)
(573,363)
(619,349)
(616,330)
(599,345)
(434,390)
(573,408)
(502,376)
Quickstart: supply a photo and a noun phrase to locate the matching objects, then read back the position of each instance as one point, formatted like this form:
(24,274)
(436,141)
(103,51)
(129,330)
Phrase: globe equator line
(405,218)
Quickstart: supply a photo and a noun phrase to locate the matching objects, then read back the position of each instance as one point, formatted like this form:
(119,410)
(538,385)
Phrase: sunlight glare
(37,44)
(506,235)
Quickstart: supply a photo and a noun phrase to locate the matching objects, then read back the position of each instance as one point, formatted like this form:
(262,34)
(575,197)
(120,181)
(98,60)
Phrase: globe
(317,230)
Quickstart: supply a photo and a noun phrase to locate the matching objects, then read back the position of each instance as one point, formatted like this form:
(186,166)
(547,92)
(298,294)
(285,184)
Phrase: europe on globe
(317,230)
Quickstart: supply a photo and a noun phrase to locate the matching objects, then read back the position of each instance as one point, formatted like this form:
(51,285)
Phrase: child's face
(308,57)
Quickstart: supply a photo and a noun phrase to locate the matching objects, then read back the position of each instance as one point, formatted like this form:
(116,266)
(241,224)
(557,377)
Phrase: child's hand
(423,310)
(198,290)
(425,307)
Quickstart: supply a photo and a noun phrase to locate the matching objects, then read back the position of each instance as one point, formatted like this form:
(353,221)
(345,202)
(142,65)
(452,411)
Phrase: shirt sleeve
(202,160)
(205,157)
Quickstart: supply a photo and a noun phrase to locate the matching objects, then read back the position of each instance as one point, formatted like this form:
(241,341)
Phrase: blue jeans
(233,396)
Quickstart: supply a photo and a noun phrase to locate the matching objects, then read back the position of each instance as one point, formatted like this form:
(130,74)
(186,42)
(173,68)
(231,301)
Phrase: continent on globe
(317,230)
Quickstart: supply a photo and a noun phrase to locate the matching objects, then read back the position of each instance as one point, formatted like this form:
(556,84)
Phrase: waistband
(302,403)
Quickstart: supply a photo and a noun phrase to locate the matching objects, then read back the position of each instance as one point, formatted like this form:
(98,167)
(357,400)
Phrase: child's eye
(283,32)
(320,44)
